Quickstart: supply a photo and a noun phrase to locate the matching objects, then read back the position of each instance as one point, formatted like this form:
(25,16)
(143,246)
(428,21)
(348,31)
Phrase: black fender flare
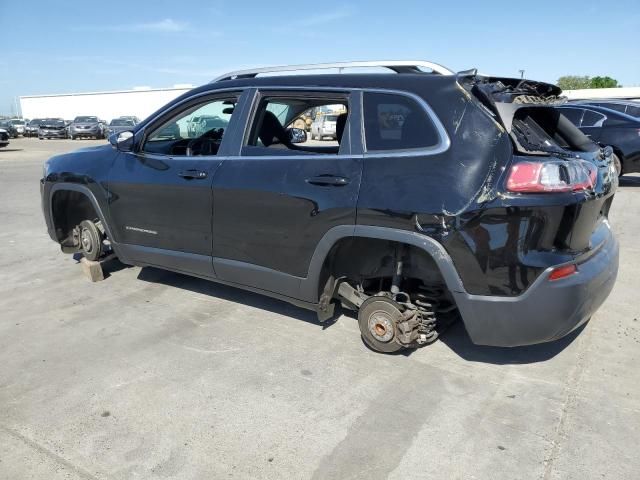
(309,287)
(76,187)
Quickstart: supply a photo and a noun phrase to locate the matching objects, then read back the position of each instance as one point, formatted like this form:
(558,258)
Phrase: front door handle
(193,174)
(333,180)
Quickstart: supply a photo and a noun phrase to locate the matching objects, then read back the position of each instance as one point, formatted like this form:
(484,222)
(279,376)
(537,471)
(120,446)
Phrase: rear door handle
(328,180)
(193,174)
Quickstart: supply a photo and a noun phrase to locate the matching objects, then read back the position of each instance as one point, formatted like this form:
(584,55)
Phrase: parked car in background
(52,128)
(19,124)
(623,106)
(86,127)
(31,128)
(4,137)
(118,125)
(210,123)
(609,127)
(133,118)
(324,126)
(412,219)
(9,127)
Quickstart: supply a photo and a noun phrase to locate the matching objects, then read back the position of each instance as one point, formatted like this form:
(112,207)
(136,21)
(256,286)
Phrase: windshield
(118,122)
(35,122)
(85,119)
(17,122)
(331,118)
(54,123)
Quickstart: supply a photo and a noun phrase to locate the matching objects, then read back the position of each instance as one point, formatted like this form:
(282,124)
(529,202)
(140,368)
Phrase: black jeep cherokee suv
(443,196)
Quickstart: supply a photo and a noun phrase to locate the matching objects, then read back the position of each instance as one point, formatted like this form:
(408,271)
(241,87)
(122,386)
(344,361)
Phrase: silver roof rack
(398,66)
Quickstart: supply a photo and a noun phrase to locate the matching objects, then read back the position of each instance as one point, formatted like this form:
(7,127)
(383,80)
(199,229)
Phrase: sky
(68,46)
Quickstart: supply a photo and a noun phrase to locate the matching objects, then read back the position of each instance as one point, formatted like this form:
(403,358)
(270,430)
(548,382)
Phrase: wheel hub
(381,326)
(85,238)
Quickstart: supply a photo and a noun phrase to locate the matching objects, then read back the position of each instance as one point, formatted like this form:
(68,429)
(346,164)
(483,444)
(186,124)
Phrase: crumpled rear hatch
(525,108)
(539,132)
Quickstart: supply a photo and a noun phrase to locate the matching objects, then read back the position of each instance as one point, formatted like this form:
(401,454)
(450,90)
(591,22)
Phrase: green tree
(574,82)
(604,82)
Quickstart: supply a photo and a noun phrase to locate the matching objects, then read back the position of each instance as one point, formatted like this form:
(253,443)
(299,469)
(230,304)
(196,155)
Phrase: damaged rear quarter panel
(398,189)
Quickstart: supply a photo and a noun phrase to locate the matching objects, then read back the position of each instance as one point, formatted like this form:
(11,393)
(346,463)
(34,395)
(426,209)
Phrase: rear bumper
(547,310)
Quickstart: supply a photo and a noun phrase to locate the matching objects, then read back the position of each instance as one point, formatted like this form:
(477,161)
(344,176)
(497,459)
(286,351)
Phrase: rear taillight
(551,176)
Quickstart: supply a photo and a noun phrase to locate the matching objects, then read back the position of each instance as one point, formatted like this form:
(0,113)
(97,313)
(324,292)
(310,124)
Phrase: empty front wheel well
(69,208)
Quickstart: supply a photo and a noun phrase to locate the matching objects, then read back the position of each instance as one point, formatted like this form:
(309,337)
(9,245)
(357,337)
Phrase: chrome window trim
(441,147)
(444,142)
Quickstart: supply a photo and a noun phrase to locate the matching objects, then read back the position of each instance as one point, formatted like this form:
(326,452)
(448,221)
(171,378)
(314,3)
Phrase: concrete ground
(152,374)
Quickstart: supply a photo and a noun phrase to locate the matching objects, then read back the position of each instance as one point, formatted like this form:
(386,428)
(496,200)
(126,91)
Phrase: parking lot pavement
(154,374)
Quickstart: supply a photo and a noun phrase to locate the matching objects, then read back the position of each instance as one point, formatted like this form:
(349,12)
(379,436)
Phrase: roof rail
(398,66)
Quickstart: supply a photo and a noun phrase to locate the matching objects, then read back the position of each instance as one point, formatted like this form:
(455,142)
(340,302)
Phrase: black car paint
(620,131)
(256,222)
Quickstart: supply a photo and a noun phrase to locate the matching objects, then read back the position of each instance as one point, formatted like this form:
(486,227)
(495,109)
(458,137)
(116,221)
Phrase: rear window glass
(396,122)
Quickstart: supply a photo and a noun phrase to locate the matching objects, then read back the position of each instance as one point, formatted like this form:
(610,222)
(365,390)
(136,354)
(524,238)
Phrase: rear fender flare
(309,287)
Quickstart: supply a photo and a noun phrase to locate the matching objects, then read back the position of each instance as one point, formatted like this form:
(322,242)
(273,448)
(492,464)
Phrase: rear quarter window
(396,122)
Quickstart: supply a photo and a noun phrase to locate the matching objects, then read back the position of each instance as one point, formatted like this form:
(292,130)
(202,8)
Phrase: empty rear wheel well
(69,208)
(370,263)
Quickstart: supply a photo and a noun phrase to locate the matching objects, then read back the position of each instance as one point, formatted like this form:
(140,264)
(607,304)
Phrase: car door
(160,193)
(273,204)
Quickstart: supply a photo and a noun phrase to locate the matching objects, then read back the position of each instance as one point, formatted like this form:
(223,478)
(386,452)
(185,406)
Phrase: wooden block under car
(93,270)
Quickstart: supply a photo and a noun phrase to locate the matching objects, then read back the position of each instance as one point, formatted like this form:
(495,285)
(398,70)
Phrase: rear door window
(573,114)
(298,123)
(396,122)
(633,110)
(592,119)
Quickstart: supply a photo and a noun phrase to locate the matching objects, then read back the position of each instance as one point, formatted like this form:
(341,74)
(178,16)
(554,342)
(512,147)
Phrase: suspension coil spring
(423,306)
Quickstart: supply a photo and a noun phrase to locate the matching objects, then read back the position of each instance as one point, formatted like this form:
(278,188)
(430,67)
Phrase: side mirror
(297,135)
(122,141)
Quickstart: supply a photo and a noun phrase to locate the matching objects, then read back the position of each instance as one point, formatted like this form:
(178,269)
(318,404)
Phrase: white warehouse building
(139,102)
